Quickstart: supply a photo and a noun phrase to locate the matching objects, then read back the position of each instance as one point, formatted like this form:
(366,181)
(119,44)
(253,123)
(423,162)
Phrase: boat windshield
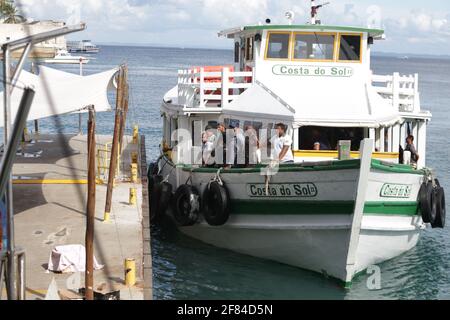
(314,46)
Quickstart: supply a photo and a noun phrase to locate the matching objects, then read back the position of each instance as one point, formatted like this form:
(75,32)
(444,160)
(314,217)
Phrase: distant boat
(85,46)
(64,57)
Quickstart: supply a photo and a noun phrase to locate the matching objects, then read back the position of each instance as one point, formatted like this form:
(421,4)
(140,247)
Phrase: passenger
(239,147)
(222,143)
(252,146)
(282,145)
(209,142)
(319,142)
(411,148)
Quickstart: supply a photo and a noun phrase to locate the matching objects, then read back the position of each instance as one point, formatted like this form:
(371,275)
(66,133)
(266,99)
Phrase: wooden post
(90,216)
(115,144)
(125,101)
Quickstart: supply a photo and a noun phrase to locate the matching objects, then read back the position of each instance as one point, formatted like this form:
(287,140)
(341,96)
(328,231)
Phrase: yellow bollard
(134,173)
(134,157)
(130,272)
(135,134)
(133,197)
(106,217)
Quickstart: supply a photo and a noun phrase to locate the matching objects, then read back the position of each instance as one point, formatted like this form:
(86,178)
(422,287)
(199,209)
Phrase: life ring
(216,204)
(440,208)
(427,202)
(186,205)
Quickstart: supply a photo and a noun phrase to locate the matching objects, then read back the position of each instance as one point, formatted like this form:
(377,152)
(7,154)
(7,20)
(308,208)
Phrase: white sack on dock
(59,92)
(69,259)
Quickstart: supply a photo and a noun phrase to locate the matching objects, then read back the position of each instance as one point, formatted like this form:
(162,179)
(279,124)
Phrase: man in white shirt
(282,145)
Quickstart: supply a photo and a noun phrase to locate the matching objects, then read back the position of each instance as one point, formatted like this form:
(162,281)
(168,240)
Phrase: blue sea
(188,269)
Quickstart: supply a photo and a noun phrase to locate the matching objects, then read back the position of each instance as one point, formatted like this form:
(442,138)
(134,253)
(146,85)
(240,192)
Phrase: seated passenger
(282,145)
(319,142)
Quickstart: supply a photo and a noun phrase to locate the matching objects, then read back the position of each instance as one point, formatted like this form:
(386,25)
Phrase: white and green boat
(330,211)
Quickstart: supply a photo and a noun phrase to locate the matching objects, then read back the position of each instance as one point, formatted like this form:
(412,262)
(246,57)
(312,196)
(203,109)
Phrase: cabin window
(249,45)
(278,46)
(328,138)
(314,46)
(350,48)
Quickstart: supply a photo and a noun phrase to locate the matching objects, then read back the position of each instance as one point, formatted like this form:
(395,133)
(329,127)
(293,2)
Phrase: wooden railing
(200,89)
(402,91)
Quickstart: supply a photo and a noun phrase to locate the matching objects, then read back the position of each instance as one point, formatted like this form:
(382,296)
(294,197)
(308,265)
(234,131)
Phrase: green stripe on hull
(265,207)
(291,207)
(408,209)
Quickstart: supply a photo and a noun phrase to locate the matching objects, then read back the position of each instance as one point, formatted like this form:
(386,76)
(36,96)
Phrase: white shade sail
(59,93)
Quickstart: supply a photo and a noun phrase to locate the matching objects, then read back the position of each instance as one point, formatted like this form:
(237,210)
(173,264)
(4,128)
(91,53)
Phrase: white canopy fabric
(357,106)
(328,103)
(59,93)
(259,103)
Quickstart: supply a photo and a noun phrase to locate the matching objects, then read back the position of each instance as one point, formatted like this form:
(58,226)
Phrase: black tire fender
(440,209)
(216,208)
(427,202)
(186,205)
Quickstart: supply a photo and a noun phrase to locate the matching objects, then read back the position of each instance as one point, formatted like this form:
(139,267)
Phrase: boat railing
(402,91)
(198,88)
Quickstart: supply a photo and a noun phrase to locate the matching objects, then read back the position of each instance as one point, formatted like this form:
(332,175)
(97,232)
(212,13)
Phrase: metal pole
(80,116)
(22,276)
(12,293)
(115,145)
(90,217)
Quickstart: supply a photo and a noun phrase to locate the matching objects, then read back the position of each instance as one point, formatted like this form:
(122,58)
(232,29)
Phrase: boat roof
(376,33)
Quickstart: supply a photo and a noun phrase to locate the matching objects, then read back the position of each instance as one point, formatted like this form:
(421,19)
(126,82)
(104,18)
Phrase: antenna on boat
(315,10)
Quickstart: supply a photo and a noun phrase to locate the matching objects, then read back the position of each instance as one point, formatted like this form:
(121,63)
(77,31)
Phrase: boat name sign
(323,71)
(282,190)
(396,191)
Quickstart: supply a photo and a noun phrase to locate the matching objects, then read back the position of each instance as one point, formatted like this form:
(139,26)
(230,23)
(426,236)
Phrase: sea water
(184,268)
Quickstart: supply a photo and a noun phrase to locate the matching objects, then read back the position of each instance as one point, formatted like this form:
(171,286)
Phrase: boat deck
(50,194)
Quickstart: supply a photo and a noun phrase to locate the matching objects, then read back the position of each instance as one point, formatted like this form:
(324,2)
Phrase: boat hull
(311,229)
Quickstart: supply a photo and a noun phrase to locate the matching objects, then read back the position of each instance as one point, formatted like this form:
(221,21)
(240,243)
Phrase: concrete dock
(50,192)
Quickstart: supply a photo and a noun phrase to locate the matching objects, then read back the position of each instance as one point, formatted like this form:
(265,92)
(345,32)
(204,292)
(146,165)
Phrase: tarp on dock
(59,92)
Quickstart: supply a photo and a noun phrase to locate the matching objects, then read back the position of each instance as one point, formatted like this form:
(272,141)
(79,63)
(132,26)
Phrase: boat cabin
(316,79)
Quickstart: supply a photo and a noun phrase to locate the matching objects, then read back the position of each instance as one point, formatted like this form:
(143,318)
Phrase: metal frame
(9,82)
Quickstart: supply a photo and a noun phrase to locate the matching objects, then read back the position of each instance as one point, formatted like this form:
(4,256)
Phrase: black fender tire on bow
(427,202)
(152,169)
(216,204)
(440,208)
(160,196)
(186,205)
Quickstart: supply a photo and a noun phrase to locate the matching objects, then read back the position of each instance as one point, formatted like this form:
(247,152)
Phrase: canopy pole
(80,116)
(115,144)
(125,101)
(90,216)
(11,265)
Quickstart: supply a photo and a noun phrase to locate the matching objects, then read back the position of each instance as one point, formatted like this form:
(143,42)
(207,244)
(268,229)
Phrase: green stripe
(396,168)
(335,165)
(373,32)
(292,207)
(408,209)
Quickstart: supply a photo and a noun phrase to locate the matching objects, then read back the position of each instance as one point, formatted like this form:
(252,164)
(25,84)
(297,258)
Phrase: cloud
(199,20)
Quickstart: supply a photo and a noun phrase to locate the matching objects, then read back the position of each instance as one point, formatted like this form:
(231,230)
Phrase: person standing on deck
(282,145)
(411,148)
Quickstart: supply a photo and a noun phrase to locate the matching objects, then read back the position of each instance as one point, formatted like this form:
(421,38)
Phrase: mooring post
(125,102)
(90,217)
(115,145)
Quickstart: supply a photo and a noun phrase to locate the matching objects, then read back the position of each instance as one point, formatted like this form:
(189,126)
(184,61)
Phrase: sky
(412,26)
